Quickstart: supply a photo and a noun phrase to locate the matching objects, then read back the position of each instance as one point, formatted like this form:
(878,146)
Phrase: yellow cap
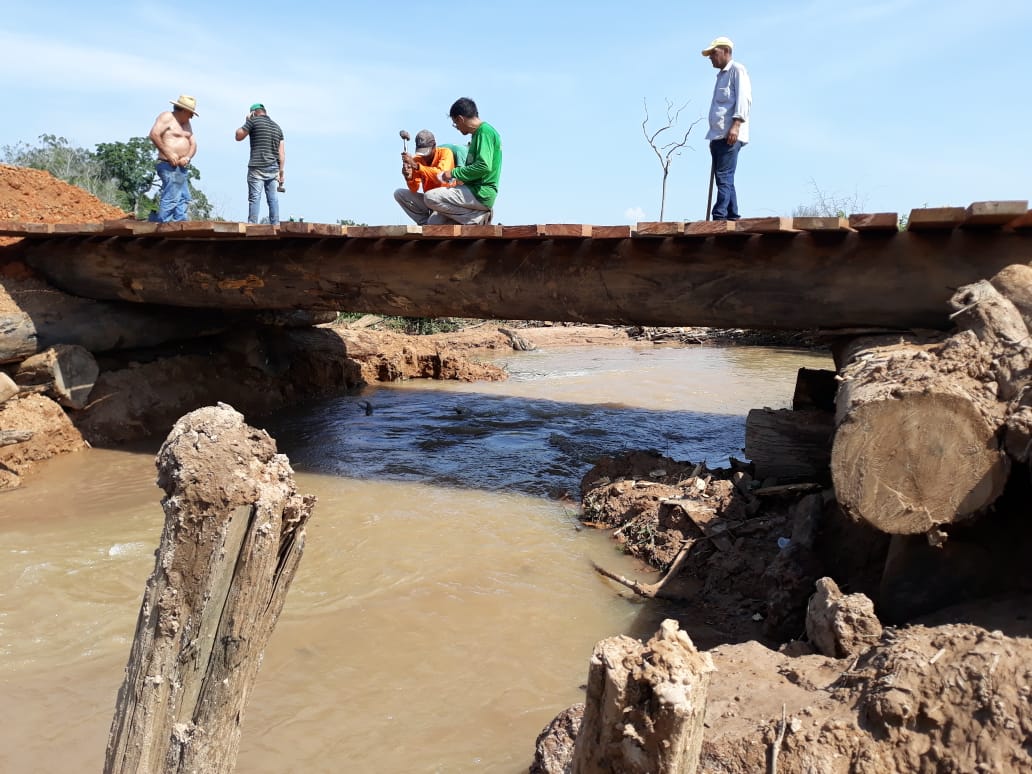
(721,41)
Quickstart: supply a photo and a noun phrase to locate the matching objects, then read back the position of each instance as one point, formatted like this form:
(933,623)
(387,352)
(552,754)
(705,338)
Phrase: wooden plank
(296,228)
(385,232)
(1025,221)
(480,232)
(566,230)
(445,230)
(610,232)
(765,225)
(78,228)
(998,213)
(875,221)
(935,218)
(704,228)
(22,228)
(523,232)
(258,230)
(659,228)
(230,228)
(821,224)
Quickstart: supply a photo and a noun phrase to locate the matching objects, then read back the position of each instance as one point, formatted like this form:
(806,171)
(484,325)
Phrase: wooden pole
(233,537)
(709,197)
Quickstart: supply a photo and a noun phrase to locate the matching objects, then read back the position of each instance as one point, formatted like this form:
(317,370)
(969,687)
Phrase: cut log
(645,705)
(35,316)
(790,446)
(917,433)
(233,537)
(66,371)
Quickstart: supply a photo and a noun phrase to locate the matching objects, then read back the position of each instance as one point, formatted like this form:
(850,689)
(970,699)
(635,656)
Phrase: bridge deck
(773,273)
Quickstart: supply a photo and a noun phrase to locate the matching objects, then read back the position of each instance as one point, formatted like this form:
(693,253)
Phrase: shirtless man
(173,136)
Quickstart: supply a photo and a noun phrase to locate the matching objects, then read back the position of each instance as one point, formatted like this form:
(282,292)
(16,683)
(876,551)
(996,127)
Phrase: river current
(445,608)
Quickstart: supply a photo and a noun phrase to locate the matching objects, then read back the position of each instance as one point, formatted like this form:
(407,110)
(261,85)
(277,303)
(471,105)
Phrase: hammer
(404,139)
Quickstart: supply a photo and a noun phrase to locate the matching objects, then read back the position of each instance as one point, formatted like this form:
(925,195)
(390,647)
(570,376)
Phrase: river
(445,608)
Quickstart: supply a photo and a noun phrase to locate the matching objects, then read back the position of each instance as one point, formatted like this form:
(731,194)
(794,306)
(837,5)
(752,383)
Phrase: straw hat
(186,103)
(721,41)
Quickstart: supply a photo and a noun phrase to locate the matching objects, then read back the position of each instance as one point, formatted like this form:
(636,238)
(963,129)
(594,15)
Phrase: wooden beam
(659,228)
(741,280)
(566,230)
(765,226)
(1024,221)
(22,228)
(610,232)
(875,221)
(522,232)
(935,218)
(710,227)
(384,232)
(821,224)
(994,213)
(442,230)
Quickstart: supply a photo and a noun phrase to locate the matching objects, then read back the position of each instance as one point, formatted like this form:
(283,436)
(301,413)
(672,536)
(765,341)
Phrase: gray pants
(457,204)
(415,207)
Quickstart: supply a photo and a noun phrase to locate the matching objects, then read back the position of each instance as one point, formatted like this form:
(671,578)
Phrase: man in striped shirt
(265,168)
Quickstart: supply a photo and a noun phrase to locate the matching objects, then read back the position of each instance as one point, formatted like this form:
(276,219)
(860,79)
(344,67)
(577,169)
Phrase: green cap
(257,106)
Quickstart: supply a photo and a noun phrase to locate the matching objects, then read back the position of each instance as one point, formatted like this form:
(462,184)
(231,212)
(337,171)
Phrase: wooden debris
(11,437)
(66,371)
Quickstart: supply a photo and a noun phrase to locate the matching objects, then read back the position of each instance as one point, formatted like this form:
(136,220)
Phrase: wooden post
(645,705)
(233,537)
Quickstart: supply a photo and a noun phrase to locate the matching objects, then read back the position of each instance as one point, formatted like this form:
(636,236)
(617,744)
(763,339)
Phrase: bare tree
(665,153)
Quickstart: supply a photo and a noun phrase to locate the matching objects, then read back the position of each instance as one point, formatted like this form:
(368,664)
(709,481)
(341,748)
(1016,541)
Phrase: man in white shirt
(728,124)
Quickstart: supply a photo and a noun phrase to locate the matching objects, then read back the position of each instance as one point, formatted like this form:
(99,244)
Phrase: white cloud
(634,214)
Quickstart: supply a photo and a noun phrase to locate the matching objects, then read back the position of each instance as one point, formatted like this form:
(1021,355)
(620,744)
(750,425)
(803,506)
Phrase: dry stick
(777,743)
(649,590)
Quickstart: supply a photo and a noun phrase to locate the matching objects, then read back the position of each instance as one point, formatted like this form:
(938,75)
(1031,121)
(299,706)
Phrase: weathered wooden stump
(233,537)
(645,706)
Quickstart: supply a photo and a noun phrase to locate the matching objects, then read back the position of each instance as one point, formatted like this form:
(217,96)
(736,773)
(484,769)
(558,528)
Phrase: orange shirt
(426,174)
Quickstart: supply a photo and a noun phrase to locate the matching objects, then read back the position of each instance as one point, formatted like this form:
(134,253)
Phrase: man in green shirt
(472,200)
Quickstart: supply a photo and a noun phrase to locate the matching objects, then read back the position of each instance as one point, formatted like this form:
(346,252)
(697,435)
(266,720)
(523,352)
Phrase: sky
(882,106)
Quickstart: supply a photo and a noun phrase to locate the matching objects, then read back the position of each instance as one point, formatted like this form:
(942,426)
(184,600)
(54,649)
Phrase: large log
(35,316)
(645,706)
(919,435)
(233,537)
(790,282)
(66,371)
(916,442)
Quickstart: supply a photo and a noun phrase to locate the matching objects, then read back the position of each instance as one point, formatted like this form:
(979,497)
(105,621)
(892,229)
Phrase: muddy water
(445,608)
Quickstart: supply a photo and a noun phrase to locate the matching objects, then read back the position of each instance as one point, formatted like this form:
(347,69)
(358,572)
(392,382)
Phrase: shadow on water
(476,441)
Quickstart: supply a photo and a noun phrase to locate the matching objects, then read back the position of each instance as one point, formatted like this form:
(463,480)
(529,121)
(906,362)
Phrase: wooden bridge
(762,273)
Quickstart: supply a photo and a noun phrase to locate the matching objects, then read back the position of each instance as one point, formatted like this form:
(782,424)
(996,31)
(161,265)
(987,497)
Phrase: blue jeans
(257,179)
(725,162)
(175,192)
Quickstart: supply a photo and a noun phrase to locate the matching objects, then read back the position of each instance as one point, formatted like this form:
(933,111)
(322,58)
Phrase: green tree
(131,166)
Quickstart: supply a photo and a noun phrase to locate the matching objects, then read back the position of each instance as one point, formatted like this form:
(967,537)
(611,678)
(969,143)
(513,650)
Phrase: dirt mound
(35,196)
